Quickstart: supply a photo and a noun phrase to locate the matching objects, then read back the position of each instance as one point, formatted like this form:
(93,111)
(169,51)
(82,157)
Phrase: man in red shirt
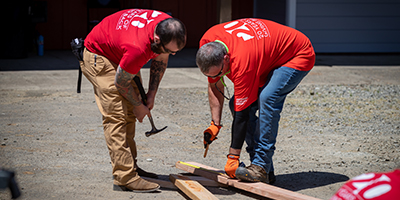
(265,61)
(116,50)
(371,186)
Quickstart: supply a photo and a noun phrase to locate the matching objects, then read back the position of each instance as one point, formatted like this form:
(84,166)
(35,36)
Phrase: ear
(226,57)
(157,39)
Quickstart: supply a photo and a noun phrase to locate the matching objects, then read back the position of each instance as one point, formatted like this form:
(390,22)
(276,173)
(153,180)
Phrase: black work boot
(252,173)
(271,177)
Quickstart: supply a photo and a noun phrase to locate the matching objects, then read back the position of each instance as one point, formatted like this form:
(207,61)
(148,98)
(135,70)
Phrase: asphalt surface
(52,136)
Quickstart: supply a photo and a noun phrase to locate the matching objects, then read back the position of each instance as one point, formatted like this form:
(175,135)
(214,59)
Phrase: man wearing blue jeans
(265,61)
(273,93)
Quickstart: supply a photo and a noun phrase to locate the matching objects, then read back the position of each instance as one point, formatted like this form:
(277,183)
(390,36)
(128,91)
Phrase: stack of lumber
(194,186)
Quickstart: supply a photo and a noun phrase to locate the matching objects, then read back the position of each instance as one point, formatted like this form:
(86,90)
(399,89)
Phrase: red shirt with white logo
(125,37)
(256,47)
(371,186)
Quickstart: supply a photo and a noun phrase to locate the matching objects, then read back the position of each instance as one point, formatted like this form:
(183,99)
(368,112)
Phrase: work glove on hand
(210,134)
(231,165)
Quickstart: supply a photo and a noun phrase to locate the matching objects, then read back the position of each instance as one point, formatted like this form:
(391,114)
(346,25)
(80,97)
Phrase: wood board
(258,188)
(169,185)
(205,181)
(191,188)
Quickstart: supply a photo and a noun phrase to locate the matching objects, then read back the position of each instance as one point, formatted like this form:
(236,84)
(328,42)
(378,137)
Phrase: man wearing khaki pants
(115,51)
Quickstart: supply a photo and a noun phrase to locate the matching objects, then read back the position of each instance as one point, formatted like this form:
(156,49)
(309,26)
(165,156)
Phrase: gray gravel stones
(339,128)
(328,134)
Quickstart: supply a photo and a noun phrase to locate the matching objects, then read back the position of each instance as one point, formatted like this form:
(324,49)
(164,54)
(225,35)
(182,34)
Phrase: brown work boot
(143,173)
(140,185)
(252,173)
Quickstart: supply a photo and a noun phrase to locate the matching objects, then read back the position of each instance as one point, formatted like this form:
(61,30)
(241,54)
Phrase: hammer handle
(154,130)
(144,97)
(205,152)
(141,89)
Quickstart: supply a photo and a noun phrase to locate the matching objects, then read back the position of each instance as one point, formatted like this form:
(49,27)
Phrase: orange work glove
(231,165)
(210,134)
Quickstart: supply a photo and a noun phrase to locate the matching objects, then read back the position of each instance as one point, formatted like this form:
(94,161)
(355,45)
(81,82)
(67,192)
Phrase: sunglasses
(167,50)
(220,72)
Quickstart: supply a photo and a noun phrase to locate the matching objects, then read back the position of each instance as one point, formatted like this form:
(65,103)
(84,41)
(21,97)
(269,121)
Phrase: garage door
(343,26)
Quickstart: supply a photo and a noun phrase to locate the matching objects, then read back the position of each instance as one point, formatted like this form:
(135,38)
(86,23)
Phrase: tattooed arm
(157,69)
(123,81)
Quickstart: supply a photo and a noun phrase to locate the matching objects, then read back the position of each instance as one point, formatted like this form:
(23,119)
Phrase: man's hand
(231,165)
(150,101)
(141,112)
(210,134)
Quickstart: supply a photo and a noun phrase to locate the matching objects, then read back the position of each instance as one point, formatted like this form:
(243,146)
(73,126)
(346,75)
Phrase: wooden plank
(261,189)
(218,176)
(191,188)
(169,185)
(206,182)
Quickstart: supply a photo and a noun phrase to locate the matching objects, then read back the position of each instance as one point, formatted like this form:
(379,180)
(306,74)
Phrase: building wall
(68,19)
(198,16)
(334,26)
(270,9)
(350,26)
(242,9)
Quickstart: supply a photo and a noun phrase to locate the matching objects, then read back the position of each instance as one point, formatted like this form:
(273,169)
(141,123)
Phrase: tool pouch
(7,180)
(77,48)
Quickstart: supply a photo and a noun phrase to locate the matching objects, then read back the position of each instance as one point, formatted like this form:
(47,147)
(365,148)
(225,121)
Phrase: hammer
(153,130)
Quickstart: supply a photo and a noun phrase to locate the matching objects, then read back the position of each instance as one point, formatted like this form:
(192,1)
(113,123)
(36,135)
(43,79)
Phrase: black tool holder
(7,180)
(77,46)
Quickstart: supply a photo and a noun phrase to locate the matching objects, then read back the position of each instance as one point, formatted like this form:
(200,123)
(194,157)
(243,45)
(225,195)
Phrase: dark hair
(172,29)
(210,54)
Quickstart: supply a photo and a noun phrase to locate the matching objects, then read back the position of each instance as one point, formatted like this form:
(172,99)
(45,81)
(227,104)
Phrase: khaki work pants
(118,118)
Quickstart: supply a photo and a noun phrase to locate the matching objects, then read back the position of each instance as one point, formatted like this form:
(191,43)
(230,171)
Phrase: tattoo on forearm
(157,70)
(123,81)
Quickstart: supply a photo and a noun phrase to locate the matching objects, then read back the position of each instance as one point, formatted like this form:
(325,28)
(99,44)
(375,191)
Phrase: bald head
(209,55)
(172,29)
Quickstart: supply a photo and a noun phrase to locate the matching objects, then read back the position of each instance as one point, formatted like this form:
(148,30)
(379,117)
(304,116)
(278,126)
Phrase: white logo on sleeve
(247,29)
(137,22)
(155,14)
(135,18)
(242,29)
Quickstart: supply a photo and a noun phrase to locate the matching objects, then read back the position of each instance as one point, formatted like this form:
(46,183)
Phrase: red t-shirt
(125,37)
(256,47)
(371,186)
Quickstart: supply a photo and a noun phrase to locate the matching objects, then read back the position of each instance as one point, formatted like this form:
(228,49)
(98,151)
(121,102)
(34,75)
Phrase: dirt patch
(54,140)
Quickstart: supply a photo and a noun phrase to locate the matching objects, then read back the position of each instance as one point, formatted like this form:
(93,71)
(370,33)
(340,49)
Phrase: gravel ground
(54,141)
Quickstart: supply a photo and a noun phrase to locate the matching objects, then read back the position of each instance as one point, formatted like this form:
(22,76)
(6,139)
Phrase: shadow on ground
(306,180)
(293,182)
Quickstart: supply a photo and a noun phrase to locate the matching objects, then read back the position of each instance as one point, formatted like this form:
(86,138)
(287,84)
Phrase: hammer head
(154,131)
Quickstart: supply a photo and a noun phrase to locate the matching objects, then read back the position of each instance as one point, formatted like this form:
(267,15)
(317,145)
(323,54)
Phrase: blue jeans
(262,130)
